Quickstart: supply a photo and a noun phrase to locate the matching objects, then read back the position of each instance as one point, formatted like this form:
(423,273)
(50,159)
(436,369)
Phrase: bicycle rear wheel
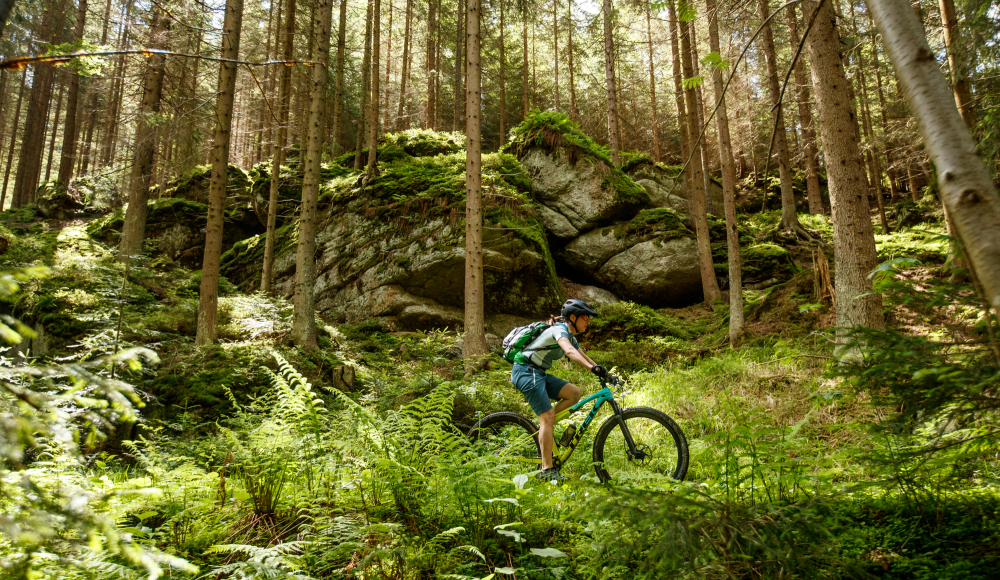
(508,435)
(661,448)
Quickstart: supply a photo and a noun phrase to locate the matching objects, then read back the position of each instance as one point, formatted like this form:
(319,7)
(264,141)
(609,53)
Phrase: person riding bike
(531,377)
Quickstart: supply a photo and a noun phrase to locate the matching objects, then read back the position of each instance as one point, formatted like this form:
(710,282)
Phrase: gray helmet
(578,307)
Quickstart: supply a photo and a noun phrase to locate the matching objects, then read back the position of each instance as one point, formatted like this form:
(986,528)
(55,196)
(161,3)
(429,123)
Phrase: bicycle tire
(499,429)
(666,458)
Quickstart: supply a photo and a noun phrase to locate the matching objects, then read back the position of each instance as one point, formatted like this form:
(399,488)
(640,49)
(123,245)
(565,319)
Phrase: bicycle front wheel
(660,448)
(508,435)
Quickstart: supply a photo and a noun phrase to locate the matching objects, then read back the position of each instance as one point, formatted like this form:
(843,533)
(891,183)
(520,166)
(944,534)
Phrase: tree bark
(609,72)
(728,186)
(571,24)
(965,186)
(304,316)
(956,65)
(71,129)
(388,68)
(209,295)
(789,218)
(404,74)
(699,214)
(809,153)
(503,74)
(459,83)
(365,88)
(555,47)
(431,111)
(278,158)
(652,87)
(29,164)
(134,230)
(55,125)
(853,240)
(373,123)
(475,333)
(13,140)
(675,51)
(338,83)
(524,66)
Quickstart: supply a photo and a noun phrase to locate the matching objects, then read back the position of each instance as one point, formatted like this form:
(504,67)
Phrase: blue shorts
(537,386)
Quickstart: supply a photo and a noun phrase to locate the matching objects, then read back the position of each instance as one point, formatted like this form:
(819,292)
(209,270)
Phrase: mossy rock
(763,262)
(194,185)
(242,263)
(573,178)
(175,229)
(289,188)
(55,201)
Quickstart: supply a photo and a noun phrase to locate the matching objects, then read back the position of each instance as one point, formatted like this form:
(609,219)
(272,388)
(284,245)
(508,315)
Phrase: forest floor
(346,462)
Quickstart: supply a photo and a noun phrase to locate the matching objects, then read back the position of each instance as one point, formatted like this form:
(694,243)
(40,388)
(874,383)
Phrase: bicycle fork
(634,453)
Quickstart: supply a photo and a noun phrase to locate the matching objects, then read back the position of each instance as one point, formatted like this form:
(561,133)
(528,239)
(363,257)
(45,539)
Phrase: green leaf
(548,553)
(693,82)
(241,495)
(686,12)
(146,515)
(715,61)
(504,570)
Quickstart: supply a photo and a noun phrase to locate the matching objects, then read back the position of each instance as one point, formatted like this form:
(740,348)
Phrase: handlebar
(611,380)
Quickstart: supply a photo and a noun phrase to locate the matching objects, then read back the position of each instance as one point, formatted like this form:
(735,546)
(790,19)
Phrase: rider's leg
(546,422)
(569,395)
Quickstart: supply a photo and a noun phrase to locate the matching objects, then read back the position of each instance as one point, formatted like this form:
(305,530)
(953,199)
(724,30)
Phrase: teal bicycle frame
(599,399)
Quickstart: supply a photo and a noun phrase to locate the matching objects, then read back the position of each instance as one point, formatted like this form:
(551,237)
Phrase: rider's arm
(574,354)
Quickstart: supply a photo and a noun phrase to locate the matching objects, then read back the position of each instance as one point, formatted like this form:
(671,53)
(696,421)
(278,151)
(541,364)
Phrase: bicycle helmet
(578,307)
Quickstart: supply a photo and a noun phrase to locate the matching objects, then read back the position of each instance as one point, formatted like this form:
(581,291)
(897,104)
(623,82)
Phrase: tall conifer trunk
(404,74)
(609,73)
(789,217)
(728,186)
(699,215)
(365,88)
(956,65)
(430,112)
(570,25)
(524,59)
(71,129)
(304,316)
(134,229)
(457,90)
(338,83)
(13,140)
(809,152)
(373,113)
(474,344)
(503,75)
(278,158)
(54,124)
(209,294)
(388,67)
(652,89)
(853,238)
(555,47)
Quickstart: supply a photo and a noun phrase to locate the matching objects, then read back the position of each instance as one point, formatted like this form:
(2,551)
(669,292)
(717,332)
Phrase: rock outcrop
(666,192)
(193,186)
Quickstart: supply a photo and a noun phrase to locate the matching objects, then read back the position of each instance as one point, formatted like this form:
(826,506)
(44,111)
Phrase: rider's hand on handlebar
(600,371)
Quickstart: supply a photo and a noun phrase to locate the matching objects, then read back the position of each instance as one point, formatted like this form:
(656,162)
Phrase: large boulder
(666,191)
(194,185)
(395,249)
(577,185)
(652,259)
(175,229)
(54,201)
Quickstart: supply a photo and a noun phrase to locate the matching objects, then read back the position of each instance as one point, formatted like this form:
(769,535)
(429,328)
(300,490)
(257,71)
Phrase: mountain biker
(531,377)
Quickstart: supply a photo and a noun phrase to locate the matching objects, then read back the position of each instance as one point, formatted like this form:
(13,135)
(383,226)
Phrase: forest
(258,262)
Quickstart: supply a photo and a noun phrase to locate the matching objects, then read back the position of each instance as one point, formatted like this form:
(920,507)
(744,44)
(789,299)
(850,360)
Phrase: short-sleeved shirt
(538,353)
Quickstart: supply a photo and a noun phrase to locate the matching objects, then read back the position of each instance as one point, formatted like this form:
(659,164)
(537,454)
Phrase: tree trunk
(373,123)
(789,218)
(809,153)
(524,66)
(404,73)
(853,240)
(29,164)
(365,88)
(728,185)
(652,88)
(682,126)
(71,129)
(388,68)
(13,140)
(475,333)
(956,65)
(555,47)
(430,113)
(709,285)
(965,186)
(278,158)
(503,74)
(55,126)
(609,72)
(338,83)
(134,230)
(457,96)
(209,295)
(571,24)
(304,317)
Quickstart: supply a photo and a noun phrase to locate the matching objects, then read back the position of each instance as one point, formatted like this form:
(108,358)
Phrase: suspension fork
(632,451)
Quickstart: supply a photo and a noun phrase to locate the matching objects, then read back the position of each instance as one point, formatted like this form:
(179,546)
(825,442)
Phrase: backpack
(521,337)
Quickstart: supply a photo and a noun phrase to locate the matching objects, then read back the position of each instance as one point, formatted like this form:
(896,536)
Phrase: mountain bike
(638,443)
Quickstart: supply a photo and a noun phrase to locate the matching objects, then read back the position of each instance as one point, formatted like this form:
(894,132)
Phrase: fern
(280,561)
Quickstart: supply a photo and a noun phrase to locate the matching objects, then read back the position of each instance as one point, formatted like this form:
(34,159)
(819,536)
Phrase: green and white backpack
(519,338)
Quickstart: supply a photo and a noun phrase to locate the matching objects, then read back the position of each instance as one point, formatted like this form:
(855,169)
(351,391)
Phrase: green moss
(665,222)
(764,261)
(243,263)
(927,244)
(194,184)
(628,320)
